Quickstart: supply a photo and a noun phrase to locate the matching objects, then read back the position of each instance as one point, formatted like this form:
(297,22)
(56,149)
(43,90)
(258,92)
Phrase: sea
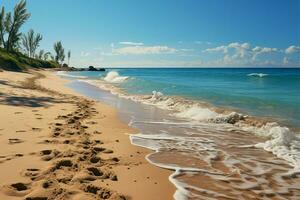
(227,133)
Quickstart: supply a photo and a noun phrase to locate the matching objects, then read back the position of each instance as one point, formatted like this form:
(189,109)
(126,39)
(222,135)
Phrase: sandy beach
(56,144)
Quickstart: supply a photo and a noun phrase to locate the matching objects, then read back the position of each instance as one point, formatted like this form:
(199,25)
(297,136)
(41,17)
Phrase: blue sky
(170,33)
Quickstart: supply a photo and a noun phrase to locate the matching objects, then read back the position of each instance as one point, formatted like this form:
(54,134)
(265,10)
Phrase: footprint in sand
(114,159)
(18,112)
(58,124)
(91,122)
(15,141)
(62,163)
(103,193)
(19,186)
(16,189)
(20,131)
(36,129)
(2,159)
(49,154)
(97,132)
(32,173)
(62,117)
(95,171)
(49,142)
(85,127)
(108,151)
(95,159)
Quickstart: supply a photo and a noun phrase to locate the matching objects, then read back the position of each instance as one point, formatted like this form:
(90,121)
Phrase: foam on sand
(280,140)
(153,142)
(62,73)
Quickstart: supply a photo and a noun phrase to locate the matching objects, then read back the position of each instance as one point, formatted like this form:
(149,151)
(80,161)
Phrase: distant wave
(62,73)
(114,77)
(258,75)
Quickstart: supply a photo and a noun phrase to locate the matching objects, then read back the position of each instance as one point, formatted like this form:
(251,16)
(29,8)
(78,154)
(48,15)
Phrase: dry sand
(56,144)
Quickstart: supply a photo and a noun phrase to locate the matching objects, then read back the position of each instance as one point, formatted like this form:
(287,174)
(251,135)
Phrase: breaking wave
(280,140)
(258,75)
(114,77)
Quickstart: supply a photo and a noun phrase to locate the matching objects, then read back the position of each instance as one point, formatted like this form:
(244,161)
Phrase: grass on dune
(19,62)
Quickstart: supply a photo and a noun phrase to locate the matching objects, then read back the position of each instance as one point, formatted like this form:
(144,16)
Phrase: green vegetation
(69,57)
(60,52)
(15,61)
(10,25)
(31,42)
(17,50)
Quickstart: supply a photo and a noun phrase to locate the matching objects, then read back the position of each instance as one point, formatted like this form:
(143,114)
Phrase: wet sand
(57,144)
(210,160)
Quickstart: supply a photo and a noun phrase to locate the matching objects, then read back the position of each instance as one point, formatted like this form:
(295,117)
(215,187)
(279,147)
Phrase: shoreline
(131,166)
(258,148)
(223,111)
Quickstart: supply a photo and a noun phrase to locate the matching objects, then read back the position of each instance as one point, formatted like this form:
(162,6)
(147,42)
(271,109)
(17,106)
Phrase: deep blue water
(276,95)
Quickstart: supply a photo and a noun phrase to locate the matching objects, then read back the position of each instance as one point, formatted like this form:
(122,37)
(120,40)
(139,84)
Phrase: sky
(169,33)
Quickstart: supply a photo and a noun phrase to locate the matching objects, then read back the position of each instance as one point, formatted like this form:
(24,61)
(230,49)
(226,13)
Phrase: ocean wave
(280,140)
(62,73)
(257,75)
(114,77)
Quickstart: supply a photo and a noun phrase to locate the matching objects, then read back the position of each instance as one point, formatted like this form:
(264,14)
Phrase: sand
(56,144)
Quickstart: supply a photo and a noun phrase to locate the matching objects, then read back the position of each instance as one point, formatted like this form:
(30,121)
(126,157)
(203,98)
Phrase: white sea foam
(197,113)
(258,75)
(281,141)
(153,142)
(62,73)
(114,77)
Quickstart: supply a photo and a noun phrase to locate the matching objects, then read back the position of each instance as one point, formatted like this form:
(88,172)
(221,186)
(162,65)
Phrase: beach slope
(56,144)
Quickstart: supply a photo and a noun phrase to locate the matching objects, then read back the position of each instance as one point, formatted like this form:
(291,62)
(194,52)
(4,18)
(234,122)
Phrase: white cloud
(132,43)
(292,49)
(241,49)
(231,54)
(85,54)
(202,42)
(140,50)
(223,49)
(241,53)
(262,50)
(186,50)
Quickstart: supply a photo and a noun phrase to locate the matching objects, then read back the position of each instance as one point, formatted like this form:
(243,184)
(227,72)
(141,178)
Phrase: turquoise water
(272,93)
(182,136)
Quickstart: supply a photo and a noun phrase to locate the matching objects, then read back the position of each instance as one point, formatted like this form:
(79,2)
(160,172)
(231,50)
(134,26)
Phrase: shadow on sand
(27,101)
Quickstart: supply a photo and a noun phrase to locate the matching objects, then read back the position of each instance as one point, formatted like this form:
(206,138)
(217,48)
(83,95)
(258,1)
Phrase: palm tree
(69,56)
(60,52)
(47,55)
(2,26)
(10,25)
(31,42)
(40,54)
